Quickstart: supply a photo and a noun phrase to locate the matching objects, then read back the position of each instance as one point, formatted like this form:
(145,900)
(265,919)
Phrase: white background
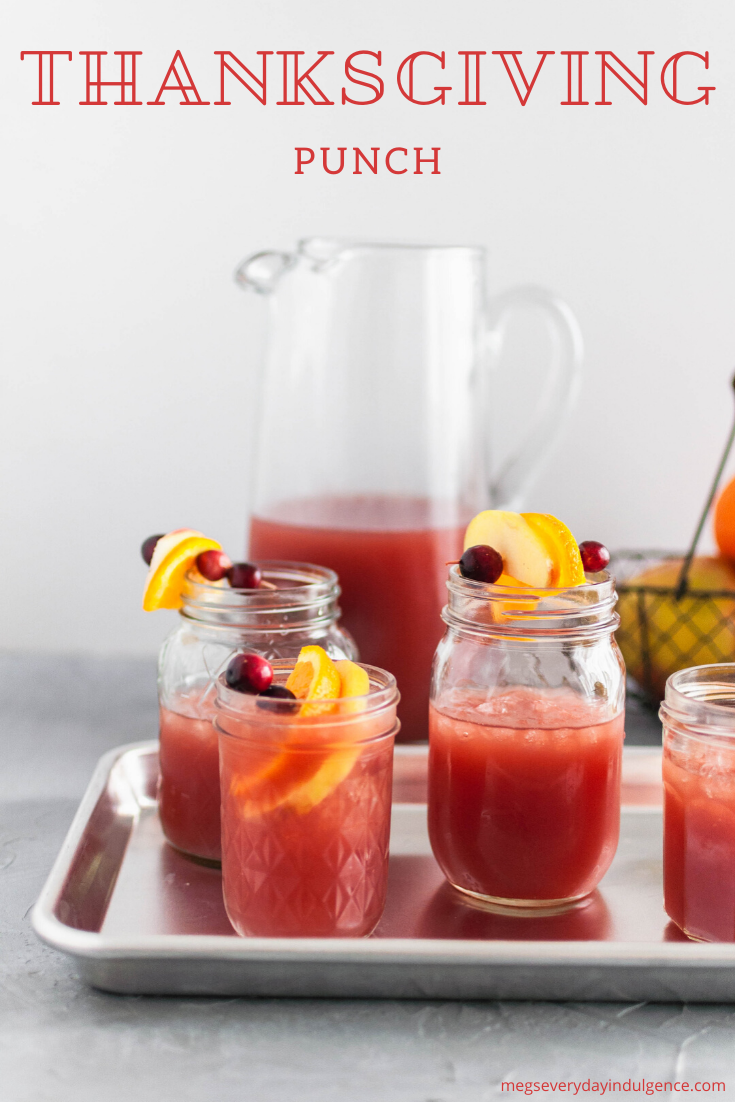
(128,353)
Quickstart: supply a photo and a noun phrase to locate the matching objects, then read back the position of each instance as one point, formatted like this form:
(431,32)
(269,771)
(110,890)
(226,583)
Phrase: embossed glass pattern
(306,806)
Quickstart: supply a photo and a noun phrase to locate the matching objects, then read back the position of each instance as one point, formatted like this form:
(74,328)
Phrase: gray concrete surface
(61,1041)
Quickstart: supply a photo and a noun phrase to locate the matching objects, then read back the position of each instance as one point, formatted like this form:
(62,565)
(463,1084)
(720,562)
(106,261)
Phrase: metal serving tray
(140,918)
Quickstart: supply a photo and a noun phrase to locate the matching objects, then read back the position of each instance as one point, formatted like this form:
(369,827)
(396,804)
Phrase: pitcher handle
(562,384)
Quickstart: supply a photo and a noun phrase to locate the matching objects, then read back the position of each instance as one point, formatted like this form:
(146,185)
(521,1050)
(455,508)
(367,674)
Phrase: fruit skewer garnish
(314,678)
(251,673)
(527,549)
(170,557)
(299,780)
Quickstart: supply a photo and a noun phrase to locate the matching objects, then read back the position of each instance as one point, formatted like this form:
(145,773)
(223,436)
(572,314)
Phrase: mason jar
(216,622)
(526,731)
(698,716)
(306,807)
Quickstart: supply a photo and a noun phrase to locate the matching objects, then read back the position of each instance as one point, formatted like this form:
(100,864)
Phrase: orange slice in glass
(301,778)
(355,684)
(174,556)
(354,687)
(315,680)
(285,782)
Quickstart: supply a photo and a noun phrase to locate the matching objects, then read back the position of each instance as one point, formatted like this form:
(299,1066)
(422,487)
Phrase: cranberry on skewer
(481,564)
(213,565)
(286,700)
(595,556)
(244,575)
(148,546)
(249,673)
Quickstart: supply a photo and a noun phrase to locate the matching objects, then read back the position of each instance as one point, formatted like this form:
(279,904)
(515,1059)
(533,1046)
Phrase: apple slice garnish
(537,549)
(525,554)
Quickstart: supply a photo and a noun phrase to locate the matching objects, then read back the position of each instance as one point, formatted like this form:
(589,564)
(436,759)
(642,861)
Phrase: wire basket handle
(681,585)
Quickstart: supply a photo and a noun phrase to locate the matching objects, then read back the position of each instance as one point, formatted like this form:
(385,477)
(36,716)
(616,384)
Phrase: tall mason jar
(698,716)
(216,622)
(526,732)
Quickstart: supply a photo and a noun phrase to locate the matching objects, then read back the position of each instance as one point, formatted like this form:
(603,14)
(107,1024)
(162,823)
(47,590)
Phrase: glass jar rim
(701,699)
(264,710)
(586,609)
(308,586)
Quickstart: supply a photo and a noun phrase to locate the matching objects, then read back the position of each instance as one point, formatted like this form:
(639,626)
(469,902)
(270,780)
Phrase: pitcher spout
(262,271)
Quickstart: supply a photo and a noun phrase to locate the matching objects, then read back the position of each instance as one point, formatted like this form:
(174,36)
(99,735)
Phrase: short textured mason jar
(306,803)
(698,716)
(526,732)
(217,622)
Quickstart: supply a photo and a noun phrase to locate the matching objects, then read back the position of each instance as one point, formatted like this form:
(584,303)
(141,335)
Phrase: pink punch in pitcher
(373,453)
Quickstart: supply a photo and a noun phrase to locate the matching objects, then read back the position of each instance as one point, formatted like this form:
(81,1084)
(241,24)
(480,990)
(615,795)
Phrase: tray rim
(97,946)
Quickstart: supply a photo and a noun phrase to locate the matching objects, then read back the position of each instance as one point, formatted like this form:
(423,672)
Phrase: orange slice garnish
(507,609)
(315,680)
(174,556)
(508,579)
(300,778)
(355,684)
(562,547)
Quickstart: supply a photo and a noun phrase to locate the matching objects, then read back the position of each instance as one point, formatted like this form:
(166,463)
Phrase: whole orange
(725,521)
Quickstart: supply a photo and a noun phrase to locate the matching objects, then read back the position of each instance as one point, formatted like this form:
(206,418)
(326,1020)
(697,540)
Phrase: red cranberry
(287,700)
(213,565)
(244,575)
(595,556)
(249,673)
(148,546)
(481,563)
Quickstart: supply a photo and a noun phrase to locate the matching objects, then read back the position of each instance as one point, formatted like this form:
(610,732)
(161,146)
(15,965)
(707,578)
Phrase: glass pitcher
(372,452)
